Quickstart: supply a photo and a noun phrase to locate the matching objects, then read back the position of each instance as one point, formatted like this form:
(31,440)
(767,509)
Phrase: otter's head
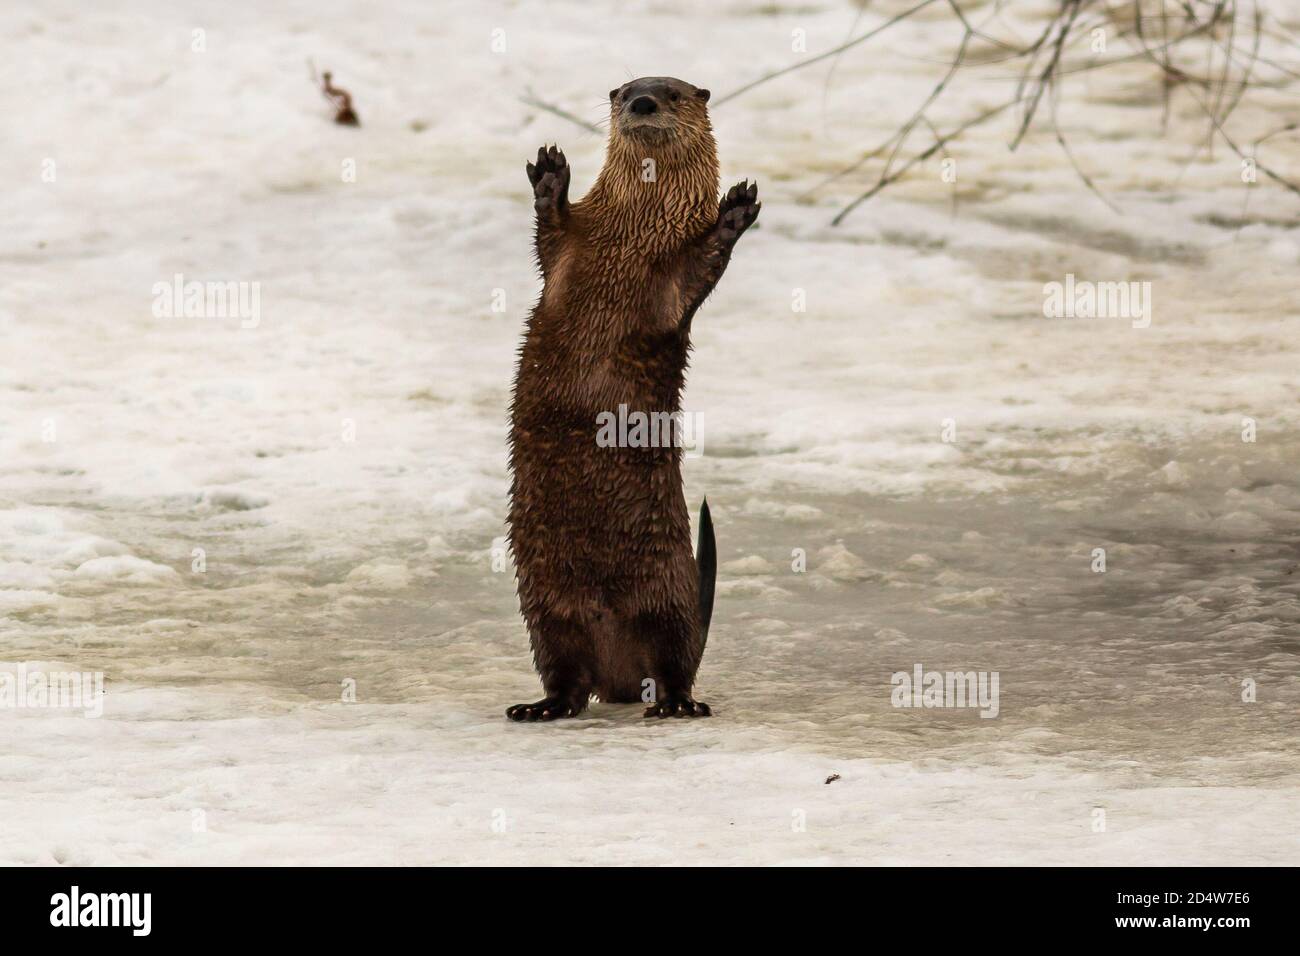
(659,111)
(661,158)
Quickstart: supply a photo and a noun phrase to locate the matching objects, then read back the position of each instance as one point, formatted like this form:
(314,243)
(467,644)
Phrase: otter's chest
(632,282)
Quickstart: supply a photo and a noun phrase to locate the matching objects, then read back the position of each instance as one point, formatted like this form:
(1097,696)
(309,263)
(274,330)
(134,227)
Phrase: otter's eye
(674,96)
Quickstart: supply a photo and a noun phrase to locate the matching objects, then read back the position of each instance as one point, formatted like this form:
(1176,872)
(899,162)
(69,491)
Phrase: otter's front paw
(678,705)
(548,708)
(738,210)
(550,179)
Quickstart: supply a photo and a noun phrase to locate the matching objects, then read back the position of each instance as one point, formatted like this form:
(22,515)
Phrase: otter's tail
(706,561)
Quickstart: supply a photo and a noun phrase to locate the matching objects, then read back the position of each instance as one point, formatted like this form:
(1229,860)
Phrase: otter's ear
(703,94)
(612,94)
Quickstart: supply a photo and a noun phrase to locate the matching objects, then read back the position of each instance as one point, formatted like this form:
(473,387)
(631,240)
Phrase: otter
(615,604)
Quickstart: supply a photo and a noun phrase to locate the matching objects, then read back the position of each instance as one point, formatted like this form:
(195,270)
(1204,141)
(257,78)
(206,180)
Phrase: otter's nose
(644,106)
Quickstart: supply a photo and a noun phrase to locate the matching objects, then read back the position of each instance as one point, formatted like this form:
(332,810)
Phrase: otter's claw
(550,179)
(548,708)
(678,705)
(738,210)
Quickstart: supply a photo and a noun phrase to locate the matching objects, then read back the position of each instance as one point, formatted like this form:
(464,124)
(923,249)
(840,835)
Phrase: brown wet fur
(601,535)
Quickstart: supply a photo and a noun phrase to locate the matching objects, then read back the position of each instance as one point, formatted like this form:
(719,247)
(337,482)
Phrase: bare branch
(823,56)
(533,101)
(921,157)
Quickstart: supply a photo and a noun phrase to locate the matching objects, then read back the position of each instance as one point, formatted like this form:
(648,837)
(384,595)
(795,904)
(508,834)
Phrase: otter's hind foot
(678,705)
(548,708)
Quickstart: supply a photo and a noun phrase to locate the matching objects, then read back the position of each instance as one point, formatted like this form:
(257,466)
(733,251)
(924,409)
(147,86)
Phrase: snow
(279,541)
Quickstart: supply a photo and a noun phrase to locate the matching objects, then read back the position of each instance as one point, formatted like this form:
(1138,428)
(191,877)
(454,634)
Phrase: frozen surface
(371,560)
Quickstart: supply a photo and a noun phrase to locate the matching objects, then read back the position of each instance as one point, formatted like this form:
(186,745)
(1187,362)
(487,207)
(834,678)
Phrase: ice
(281,543)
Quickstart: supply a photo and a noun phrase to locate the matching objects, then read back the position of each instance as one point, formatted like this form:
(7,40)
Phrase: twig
(344,114)
(532,100)
(822,56)
(340,99)
(898,138)
(1069,155)
(920,158)
(1048,71)
(1276,177)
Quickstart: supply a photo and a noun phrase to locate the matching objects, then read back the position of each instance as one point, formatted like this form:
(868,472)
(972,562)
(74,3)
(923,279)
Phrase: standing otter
(615,604)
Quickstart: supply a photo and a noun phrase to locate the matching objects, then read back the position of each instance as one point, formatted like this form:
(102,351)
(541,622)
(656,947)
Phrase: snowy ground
(127,441)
